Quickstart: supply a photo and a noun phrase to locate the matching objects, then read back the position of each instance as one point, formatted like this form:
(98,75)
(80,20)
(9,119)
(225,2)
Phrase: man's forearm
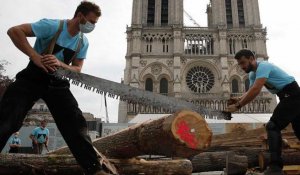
(249,96)
(72,68)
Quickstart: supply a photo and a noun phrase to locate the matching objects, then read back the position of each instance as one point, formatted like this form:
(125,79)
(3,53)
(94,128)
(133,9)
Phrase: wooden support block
(289,158)
(291,169)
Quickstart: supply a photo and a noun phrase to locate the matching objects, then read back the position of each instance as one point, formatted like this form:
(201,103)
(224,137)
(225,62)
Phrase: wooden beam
(24,164)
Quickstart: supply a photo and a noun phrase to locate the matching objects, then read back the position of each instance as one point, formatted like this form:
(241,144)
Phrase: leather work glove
(233,108)
(233,100)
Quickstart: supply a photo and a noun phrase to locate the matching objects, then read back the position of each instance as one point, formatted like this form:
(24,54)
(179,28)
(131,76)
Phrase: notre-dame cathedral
(193,63)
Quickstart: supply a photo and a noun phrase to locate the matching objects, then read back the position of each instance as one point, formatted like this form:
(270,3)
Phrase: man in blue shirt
(287,111)
(40,137)
(15,143)
(59,43)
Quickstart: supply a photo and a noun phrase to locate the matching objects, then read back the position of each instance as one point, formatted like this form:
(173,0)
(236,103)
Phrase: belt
(289,90)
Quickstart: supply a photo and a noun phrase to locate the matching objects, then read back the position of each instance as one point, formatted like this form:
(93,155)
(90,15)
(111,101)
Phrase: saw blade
(135,95)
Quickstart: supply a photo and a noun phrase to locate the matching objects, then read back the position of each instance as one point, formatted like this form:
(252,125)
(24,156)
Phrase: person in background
(15,143)
(40,137)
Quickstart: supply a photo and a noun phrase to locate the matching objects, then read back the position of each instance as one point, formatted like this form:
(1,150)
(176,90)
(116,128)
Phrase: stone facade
(193,63)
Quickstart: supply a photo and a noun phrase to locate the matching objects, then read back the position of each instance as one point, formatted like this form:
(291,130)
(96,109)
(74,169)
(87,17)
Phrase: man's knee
(271,126)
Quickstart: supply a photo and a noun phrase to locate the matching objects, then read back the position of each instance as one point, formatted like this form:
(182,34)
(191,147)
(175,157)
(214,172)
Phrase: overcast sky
(106,54)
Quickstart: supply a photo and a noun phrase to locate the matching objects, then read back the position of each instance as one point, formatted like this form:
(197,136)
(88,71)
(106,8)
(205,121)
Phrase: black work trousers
(287,111)
(32,84)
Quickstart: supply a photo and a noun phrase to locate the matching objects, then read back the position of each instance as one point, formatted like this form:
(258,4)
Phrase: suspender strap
(78,47)
(50,47)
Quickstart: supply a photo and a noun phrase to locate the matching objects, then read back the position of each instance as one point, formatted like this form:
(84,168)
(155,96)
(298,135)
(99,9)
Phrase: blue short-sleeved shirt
(277,79)
(40,134)
(65,46)
(15,140)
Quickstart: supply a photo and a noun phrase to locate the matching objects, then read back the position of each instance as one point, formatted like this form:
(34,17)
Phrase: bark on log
(183,134)
(251,153)
(248,138)
(154,167)
(237,139)
(216,161)
(290,157)
(24,164)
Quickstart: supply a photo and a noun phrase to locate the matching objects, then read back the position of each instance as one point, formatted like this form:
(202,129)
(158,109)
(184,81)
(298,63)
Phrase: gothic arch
(148,76)
(236,70)
(143,81)
(245,83)
(205,63)
(169,83)
(164,71)
(239,83)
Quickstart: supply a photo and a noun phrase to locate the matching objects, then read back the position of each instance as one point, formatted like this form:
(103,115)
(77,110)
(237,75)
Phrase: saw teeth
(135,96)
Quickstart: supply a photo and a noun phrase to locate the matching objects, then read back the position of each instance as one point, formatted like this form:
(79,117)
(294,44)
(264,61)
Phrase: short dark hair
(244,52)
(85,7)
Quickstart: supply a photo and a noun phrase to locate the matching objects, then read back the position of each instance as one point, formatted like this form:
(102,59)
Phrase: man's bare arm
(253,91)
(52,61)
(18,35)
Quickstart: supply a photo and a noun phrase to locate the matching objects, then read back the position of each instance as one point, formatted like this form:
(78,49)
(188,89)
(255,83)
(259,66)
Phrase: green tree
(4,79)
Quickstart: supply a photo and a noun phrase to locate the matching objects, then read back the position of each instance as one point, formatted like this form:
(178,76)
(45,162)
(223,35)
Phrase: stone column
(178,7)
(136,41)
(216,44)
(177,76)
(137,10)
(178,50)
(259,43)
(222,13)
(224,63)
(157,20)
(235,16)
(248,11)
(171,11)
(144,11)
(256,15)
(225,76)
(223,41)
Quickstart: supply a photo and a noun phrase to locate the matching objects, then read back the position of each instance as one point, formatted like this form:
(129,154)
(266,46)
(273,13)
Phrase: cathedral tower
(193,63)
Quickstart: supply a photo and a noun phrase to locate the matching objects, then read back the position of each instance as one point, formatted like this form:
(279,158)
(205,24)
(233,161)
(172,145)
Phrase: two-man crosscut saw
(136,95)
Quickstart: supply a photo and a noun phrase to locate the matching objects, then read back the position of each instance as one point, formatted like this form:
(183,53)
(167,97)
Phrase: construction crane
(191,18)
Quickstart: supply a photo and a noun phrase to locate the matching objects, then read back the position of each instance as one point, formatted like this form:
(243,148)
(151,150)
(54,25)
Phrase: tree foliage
(4,79)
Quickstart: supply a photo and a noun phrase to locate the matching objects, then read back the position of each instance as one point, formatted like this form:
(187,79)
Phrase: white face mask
(87,27)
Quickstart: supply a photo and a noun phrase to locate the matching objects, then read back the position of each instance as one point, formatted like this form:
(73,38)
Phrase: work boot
(273,170)
(102,172)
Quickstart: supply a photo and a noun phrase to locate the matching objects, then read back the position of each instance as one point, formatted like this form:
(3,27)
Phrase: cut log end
(191,129)
(183,134)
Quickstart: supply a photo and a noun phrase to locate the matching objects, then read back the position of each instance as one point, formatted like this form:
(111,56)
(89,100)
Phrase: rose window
(200,79)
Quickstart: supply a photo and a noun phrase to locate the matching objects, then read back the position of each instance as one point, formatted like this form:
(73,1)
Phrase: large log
(24,164)
(251,153)
(153,167)
(216,161)
(249,138)
(290,157)
(183,134)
